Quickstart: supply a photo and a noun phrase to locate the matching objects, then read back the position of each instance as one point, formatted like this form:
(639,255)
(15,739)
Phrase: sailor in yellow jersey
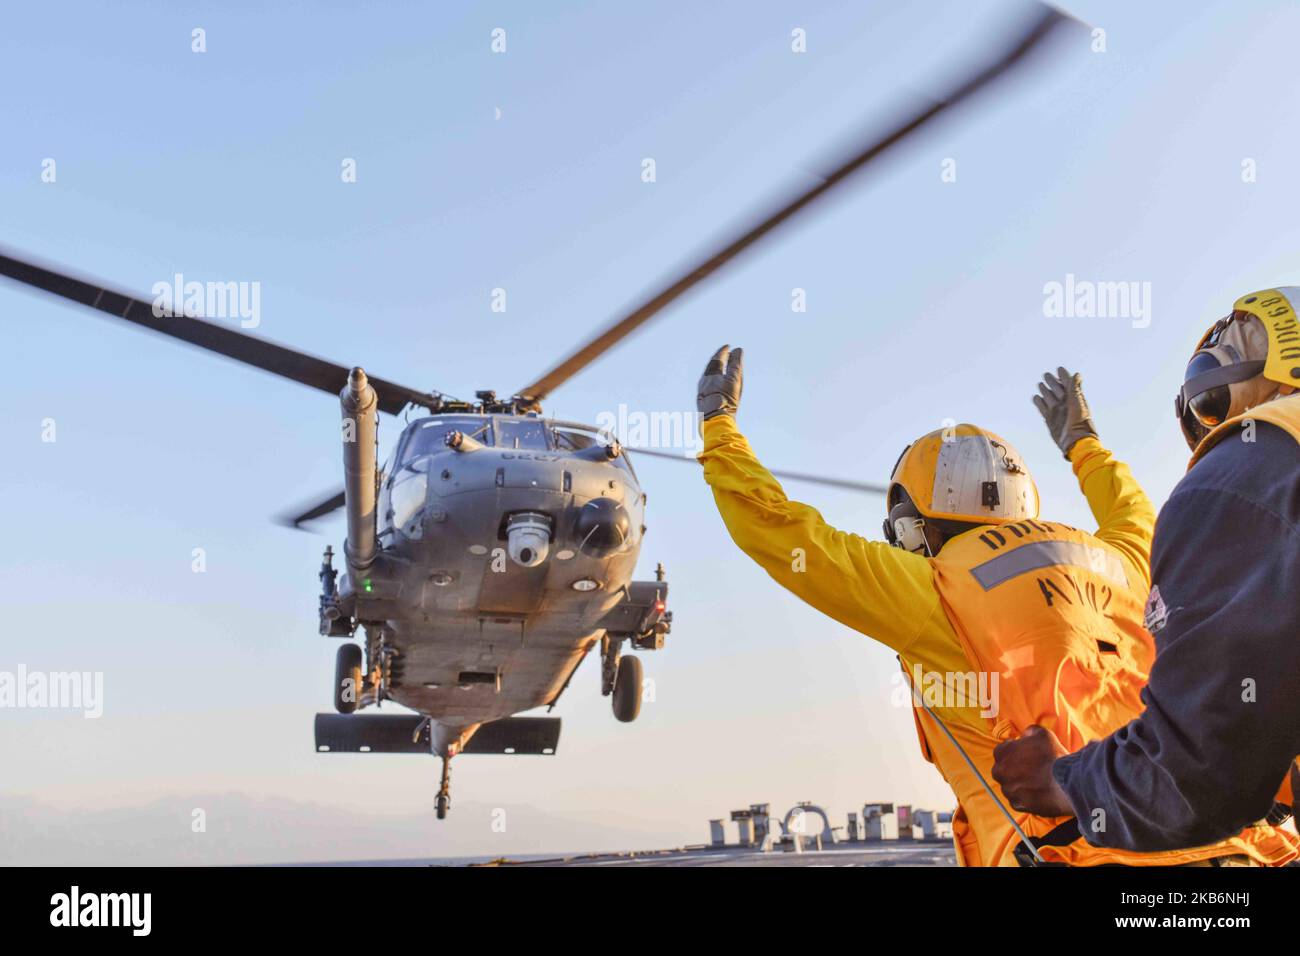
(977,586)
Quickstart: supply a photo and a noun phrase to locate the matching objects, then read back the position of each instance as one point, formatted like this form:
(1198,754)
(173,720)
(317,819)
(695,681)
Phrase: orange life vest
(1056,615)
(1285,414)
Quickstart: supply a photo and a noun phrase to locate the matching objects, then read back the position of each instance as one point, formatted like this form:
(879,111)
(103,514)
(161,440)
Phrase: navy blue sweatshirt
(1222,718)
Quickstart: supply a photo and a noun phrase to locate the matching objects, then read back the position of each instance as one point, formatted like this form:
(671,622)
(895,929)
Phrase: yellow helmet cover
(1274,308)
(965,473)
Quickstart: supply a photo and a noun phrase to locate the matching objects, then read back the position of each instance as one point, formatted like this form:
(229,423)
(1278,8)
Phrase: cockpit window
(573,439)
(515,433)
(429,437)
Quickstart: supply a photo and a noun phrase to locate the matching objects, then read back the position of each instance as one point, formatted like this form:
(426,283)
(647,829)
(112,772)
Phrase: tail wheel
(627,689)
(347,678)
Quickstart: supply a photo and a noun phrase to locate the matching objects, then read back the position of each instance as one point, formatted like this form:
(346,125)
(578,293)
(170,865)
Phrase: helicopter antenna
(799,476)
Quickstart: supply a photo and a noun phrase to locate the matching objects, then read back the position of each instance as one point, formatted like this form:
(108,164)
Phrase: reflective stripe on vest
(1046,554)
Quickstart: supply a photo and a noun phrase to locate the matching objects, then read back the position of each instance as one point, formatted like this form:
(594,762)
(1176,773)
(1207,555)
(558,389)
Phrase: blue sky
(925,302)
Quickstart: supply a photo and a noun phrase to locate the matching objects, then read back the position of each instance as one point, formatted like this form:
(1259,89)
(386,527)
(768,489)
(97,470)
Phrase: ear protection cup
(905,529)
(910,534)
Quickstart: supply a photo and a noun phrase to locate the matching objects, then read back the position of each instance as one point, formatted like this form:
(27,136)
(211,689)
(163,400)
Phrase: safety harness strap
(1063,834)
(1024,846)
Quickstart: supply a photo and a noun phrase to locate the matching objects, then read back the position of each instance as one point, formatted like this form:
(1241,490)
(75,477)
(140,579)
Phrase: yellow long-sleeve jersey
(881,591)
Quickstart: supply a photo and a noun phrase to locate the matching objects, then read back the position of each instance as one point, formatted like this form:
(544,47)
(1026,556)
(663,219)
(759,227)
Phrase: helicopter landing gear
(627,689)
(383,668)
(608,664)
(442,802)
(347,678)
(620,676)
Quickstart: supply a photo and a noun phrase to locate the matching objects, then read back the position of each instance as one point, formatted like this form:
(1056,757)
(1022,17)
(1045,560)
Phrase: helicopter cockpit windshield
(569,438)
(430,437)
(522,433)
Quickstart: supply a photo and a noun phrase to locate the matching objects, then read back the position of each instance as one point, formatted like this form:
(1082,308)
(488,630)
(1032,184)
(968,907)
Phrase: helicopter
(495,548)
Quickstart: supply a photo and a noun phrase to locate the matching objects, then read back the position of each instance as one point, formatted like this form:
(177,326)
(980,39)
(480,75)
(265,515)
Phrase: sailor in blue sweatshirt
(1215,748)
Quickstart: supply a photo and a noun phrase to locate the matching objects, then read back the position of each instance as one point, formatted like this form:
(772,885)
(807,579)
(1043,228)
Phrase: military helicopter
(495,548)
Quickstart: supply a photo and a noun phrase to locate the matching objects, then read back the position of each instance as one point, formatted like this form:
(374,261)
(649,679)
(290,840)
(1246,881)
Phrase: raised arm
(1125,517)
(880,591)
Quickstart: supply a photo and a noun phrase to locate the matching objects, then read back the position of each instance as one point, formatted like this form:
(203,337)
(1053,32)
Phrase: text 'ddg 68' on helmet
(965,474)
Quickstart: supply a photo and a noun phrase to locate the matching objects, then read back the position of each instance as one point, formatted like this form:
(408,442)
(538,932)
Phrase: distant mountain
(245,830)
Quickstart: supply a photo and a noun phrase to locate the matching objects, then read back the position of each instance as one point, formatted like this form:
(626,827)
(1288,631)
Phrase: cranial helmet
(962,475)
(1243,360)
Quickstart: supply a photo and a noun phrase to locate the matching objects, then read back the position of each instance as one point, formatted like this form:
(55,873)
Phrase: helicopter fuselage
(505,551)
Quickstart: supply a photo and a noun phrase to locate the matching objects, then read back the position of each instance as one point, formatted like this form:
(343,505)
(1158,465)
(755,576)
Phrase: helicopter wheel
(347,668)
(627,689)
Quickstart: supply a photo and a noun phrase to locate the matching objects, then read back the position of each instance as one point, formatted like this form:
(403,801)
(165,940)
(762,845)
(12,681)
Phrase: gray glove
(721,384)
(1061,403)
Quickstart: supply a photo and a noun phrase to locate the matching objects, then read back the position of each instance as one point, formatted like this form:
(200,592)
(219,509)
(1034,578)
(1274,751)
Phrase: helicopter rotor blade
(1043,24)
(844,483)
(260,353)
(318,510)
